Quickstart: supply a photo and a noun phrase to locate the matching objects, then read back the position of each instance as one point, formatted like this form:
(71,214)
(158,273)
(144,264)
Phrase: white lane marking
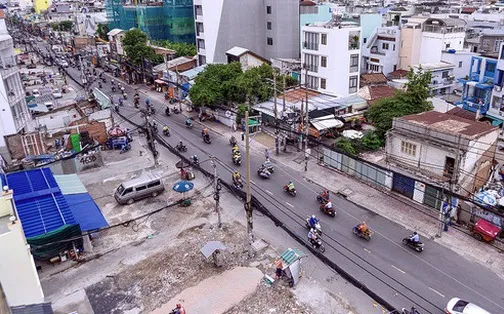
(252,182)
(268,192)
(367,250)
(437,292)
(398,269)
(289,204)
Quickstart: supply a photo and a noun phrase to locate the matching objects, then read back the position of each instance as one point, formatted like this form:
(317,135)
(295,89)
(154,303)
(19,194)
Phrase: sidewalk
(405,212)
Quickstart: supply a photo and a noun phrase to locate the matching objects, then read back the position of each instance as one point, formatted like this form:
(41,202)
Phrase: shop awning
(160,82)
(326,122)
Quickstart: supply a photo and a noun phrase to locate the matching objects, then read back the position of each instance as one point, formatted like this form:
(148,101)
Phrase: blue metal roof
(39,201)
(87,214)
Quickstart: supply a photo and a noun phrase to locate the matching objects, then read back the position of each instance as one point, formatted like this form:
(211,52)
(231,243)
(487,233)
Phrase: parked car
(147,185)
(49,105)
(35,92)
(458,306)
(57,93)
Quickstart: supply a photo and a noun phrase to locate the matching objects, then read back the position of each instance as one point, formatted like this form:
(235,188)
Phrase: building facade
(269,28)
(497,101)
(171,20)
(443,80)
(14,111)
(330,54)
(487,42)
(443,148)
(380,53)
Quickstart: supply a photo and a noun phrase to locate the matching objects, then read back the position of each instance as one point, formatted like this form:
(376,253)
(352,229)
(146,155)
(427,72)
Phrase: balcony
(376,52)
(353,41)
(310,45)
(312,68)
(8,70)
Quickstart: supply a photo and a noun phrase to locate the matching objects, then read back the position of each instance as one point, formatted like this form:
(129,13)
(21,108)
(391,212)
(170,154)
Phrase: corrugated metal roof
(87,214)
(39,201)
(42,308)
(70,184)
(291,255)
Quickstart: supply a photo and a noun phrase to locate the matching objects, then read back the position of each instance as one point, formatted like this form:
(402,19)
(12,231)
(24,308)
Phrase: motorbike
(125,148)
(320,199)
(232,141)
(237,159)
(125,96)
(328,211)
(175,110)
(263,173)
(238,183)
(189,125)
(113,88)
(365,235)
(268,165)
(412,311)
(419,246)
(317,244)
(166,132)
(104,80)
(206,139)
(167,111)
(181,147)
(137,104)
(291,192)
(317,226)
(100,85)
(194,159)
(116,107)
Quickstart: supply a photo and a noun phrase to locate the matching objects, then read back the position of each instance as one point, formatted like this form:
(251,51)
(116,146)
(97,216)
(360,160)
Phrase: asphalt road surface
(396,273)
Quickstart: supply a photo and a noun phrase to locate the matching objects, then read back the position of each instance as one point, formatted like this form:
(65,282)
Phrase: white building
(462,63)
(269,28)
(380,54)
(443,80)
(442,146)
(18,275)
(423,39)
(115,37)
(331,55)
(497,104)
(14,114)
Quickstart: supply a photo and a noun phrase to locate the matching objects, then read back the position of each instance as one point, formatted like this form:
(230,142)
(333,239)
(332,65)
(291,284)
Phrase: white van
(148,184)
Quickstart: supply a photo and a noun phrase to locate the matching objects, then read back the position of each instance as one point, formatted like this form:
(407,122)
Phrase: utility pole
(283,112)
(306,152)
(248,207)
(150,140)
(276,111)
(83,77)
(217,189)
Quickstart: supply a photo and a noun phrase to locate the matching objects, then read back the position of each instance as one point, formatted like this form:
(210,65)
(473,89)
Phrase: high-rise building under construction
(172,20)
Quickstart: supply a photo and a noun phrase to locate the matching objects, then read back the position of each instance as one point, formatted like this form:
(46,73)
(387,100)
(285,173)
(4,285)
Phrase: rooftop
(115,31)
(379,92)
(237,51)
(373,78)
(435,66)
(450,124)
(397,74)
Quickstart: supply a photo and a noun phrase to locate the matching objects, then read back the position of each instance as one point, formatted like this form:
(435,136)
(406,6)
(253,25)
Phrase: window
(270,41)
(490,67)
(402,43)
(460,64)
(141,188)
(312,82)
(323,39)
(153,184)
(323,83)
(393,47)
(323,62)
(352,84)
(445,74)
(497,45)
(311,41)
(385,46)
(354,63)
(447,46)
(128,190)
(408,148)
(201,44)
(268,26)
(311,62)
(364,40)
(449,166)
(268,9)
(373,68)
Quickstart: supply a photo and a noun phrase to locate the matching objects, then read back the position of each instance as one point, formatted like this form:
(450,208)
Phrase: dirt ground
(151,282)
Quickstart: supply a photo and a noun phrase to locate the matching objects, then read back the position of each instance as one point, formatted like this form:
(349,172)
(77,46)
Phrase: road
(393,271)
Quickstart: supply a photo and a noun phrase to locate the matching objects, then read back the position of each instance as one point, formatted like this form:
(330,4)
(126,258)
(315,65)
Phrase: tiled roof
(373,78)
(459,112)
(397,74)
(379,92)
(450,124)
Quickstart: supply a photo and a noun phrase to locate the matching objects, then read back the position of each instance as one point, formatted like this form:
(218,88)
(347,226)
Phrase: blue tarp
(87,214)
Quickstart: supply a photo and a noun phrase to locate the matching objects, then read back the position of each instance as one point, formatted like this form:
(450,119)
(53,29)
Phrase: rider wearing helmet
(165,128)
(236,175)
(290,186)
(362,227)
(313,221)
(415,238)
(188,121)
(312,235)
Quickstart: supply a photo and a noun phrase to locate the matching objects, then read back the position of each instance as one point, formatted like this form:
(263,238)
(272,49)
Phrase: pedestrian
(266,154)
(243,136)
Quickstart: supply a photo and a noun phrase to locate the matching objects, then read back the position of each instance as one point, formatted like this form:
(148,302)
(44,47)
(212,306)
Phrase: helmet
(415,233)
(236,173)
(290,182)
(179,306)
(313,216)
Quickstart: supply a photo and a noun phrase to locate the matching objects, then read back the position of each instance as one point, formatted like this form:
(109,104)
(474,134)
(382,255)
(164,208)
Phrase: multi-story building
(380,53)
(423,39)
(478,86)
(171,20)
(487,42)
(331,54)
(497,100)
(14,111)
(443,80)
(266,27)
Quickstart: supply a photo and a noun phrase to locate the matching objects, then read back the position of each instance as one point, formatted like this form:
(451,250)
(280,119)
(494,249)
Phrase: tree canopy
(182,49)
(223,83)
(135,45)
(411,101)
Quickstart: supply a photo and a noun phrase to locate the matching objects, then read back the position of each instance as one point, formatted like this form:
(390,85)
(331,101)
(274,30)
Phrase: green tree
(102,31)
(135,45)
(65,26)
(347,146)
(182,49)
(256,83)
(134,36)
(216,84)
(411,101)
(371,141)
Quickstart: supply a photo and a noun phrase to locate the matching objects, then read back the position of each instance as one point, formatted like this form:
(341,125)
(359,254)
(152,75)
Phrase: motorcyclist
(167,110)
(362,227)
(414,238)
(313,221)
(166,130)
(328,205)
(112,82)
(312,235)
(100,84)
(204,132)
(290,186)
(180,145)
(236,177)
(235,149)
(116,107)
(188,121)
(121,101)
(325,195)
(232,140)
(179,309)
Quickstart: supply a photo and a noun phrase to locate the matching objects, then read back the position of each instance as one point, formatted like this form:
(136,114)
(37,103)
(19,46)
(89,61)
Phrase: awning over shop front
(326,122)
(161,82)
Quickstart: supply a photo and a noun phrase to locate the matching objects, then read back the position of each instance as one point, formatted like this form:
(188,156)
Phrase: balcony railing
(310,45)
(377,53)
(312,68)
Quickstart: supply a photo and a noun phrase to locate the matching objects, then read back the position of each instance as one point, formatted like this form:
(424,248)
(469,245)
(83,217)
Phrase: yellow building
(41,5)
